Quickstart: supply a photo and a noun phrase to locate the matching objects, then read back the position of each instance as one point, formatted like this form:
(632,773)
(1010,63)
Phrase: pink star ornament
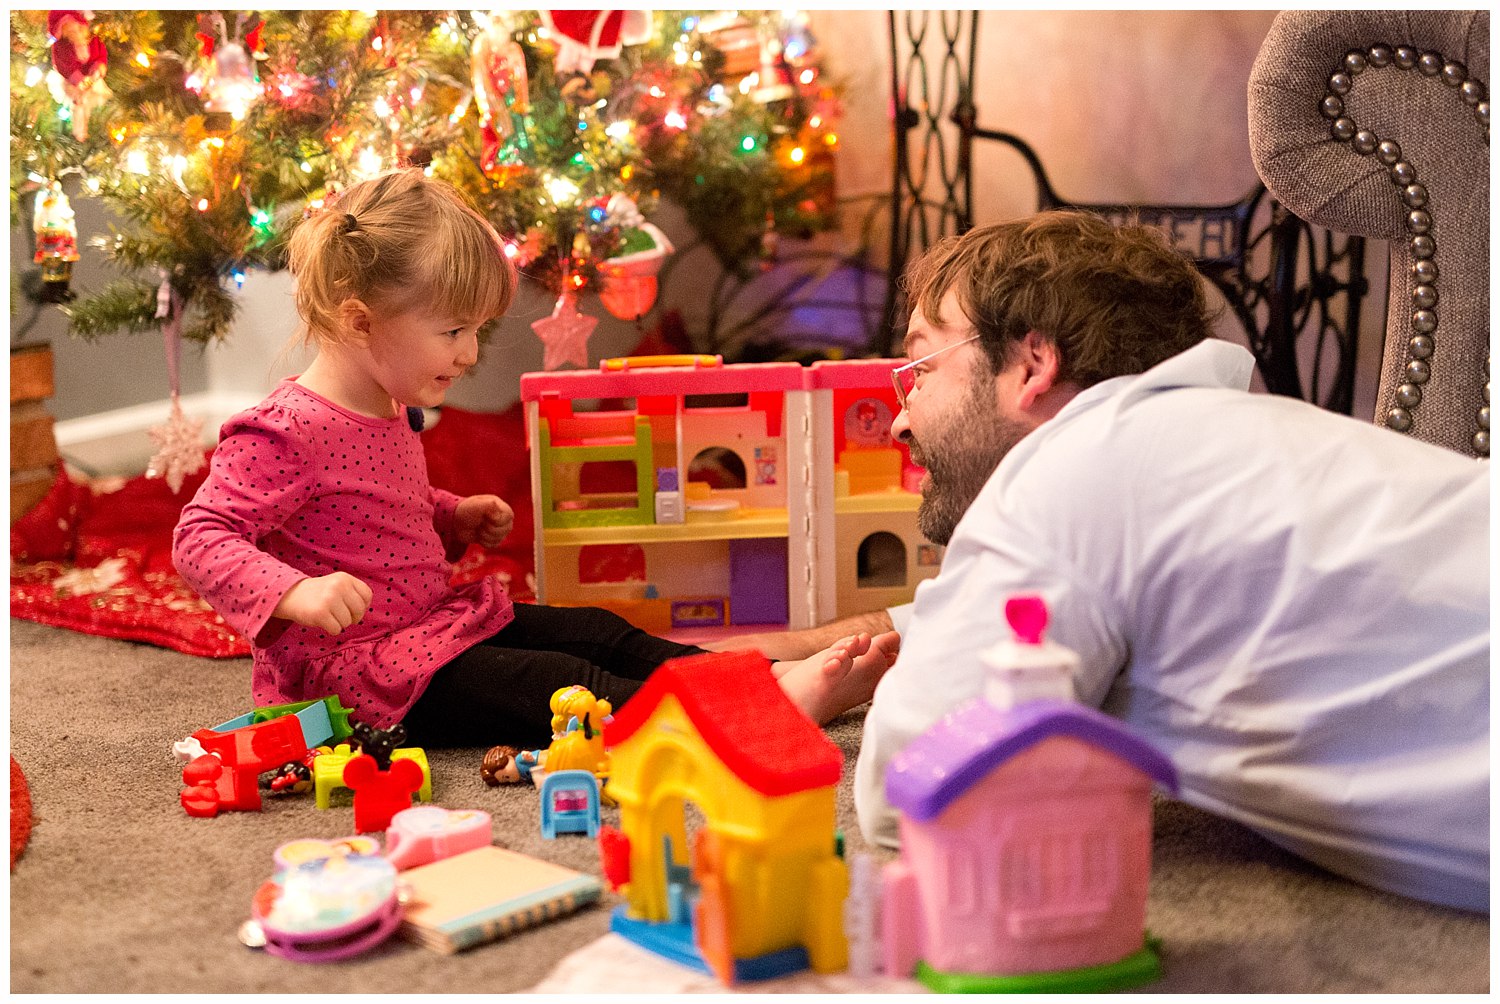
(565,334)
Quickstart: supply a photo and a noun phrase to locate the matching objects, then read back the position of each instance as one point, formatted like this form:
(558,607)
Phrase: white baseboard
(116,442)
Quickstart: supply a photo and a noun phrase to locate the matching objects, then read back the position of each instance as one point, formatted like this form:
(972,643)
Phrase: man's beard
(965,454)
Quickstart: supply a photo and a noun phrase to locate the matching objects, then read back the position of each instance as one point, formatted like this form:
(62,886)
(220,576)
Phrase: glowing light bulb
(143,59)
(511,250)
(815,121)
(798,155)
(674,120)
(807,76)
(370,163)
(619,130)
(202,205)
(382,108)
(562,190)
(747,144)
(136,162)
(34,76)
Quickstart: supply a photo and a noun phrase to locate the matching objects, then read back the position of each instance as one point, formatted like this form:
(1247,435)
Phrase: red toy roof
(743,715)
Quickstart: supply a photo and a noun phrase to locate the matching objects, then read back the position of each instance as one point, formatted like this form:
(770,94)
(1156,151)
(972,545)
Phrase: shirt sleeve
(258,478)
(999,550)
(444,508)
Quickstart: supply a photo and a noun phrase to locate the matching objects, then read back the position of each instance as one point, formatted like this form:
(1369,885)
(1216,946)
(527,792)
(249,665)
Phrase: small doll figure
(79,58)
(509,765)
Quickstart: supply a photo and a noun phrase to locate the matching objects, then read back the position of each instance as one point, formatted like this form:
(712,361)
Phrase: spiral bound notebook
(488,893)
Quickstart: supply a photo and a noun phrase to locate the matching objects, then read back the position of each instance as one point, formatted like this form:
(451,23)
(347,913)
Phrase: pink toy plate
(325,908)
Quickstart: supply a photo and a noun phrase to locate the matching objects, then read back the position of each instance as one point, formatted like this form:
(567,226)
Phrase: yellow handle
(619,363)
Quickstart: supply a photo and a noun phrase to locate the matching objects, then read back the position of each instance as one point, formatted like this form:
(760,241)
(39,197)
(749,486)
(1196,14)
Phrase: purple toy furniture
(1025,851)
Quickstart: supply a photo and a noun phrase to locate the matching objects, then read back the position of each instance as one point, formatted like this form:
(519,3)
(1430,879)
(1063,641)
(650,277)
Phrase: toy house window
(607,477)
(720,468)
(605,563)
(961,879)
(716,400)
(881,561)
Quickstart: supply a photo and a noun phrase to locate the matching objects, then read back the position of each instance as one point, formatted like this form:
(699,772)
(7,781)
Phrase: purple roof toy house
(1025,851)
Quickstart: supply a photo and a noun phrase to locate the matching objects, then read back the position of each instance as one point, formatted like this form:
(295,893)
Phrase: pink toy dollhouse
(1025,851)
(711,495)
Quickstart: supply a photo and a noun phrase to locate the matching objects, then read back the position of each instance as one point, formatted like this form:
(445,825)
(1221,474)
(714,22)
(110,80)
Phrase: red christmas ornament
(584,36)
(77,53)
(79,58)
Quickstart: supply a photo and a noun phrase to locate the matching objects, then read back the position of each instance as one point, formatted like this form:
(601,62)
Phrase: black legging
(498,691)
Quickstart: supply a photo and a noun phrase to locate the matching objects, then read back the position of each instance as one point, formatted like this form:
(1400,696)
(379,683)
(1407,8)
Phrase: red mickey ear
(205,42)
(359,771)
(252,38)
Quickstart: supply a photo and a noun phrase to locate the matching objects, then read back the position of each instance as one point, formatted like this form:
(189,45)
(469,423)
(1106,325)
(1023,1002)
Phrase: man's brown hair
(1115,300)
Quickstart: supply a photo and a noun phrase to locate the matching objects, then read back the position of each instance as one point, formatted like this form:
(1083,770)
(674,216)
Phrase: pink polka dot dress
(300,487)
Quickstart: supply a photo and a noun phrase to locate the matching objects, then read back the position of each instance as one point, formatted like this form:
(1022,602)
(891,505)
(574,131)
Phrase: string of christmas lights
(209,134)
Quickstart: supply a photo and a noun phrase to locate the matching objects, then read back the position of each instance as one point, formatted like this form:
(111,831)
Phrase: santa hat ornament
(78,61)
(584,36)
(628,284)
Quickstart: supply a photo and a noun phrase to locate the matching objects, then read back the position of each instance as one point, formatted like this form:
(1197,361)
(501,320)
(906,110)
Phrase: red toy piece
(228,775)
(212,786)
(614,857)
(380,794)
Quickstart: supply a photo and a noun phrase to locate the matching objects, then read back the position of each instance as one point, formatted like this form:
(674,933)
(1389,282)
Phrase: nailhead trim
(1414,196)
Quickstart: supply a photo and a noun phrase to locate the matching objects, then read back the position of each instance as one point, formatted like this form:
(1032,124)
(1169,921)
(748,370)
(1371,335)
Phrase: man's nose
(900,427)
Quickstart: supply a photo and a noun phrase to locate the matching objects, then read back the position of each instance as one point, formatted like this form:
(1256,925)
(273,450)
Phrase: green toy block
(330,721)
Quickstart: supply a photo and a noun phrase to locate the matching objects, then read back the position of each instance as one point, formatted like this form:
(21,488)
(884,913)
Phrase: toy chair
(328,772)
(570,803)
(1376,123)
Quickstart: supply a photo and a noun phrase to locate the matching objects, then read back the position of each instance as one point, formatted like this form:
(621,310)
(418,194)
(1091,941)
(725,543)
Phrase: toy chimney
(1026,667)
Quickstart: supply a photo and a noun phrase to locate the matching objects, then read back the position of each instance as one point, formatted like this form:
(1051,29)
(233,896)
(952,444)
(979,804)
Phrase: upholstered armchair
(1377,123)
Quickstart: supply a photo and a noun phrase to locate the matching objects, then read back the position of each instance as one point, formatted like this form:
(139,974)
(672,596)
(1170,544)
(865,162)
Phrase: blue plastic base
(674,942)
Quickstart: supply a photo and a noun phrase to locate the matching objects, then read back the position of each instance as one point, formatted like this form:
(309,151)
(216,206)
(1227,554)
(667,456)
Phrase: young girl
(317,534)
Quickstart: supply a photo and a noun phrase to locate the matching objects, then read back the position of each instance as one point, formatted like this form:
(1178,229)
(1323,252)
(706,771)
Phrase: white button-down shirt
(1292,605)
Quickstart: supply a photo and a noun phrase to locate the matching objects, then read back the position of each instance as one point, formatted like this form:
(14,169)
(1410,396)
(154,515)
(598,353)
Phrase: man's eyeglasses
(905,377)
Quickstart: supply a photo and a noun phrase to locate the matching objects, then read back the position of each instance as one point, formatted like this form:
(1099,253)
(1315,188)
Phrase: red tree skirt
(98,559)
(20,812)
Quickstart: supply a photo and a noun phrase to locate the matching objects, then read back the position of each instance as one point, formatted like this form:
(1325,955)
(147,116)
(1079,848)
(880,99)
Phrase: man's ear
(354,317)
(1040,364)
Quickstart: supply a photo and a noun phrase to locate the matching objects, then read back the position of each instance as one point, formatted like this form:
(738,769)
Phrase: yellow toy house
(759,889)
(708,495)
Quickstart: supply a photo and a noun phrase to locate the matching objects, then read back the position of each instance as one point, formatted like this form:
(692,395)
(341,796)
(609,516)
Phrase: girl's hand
(330,603)
(483,519)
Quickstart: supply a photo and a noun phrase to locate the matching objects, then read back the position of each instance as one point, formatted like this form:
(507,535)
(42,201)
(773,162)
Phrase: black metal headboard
(1284,281)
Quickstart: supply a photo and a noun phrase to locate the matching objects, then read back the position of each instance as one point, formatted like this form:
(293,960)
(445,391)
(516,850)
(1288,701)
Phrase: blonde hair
(395,241)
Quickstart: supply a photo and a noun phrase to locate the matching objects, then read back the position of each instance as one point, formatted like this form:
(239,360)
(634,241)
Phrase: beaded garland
(1413,194)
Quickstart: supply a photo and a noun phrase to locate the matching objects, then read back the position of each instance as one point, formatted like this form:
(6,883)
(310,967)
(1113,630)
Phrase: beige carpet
(120,891)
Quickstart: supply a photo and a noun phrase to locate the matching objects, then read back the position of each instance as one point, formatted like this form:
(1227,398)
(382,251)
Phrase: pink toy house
(868,552)
(705,495)
(665,493)
(1025,851)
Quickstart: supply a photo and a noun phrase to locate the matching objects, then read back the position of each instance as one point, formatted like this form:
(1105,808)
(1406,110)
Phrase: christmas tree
(209,135)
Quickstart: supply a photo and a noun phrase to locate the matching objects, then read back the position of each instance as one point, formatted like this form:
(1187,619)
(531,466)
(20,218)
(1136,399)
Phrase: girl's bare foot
(840,677)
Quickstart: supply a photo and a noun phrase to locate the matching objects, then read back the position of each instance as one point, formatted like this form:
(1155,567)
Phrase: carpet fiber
(120,891)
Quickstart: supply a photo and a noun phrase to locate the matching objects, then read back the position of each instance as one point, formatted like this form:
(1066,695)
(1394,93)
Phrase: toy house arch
(716,730)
